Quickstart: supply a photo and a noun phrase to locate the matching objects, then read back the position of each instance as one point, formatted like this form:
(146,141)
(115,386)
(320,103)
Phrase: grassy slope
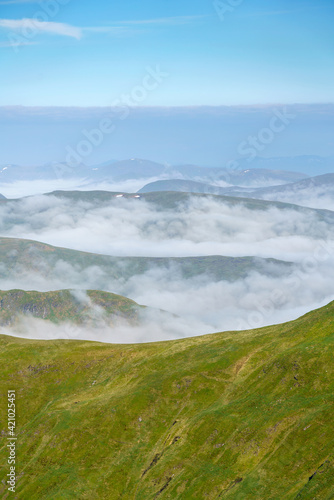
(175,201)
(62,306)
(165,200)
(32,255)
(169,200)
(246,415)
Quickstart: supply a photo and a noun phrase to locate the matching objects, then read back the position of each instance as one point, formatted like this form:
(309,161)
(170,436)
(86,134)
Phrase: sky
(166,53)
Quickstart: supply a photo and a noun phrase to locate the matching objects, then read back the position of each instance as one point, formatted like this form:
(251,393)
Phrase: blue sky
(84,53)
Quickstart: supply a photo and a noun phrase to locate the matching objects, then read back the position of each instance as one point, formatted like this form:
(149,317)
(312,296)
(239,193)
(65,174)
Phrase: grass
(170,200)
(19,254)
(234,415)
(63,305)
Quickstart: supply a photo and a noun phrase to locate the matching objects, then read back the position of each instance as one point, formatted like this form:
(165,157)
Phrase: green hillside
(63,305)
(168,200)
(17,254)
(236,415)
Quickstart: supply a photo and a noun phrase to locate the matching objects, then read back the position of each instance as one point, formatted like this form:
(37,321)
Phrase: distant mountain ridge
(308,164)
(243,174)
(187,186)
(138,169)
(300,192)
(325,181)
(182,185)
(317,192)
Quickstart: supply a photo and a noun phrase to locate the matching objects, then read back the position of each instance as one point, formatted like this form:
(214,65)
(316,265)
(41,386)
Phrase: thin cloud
(286,11)
(132,27)
(34,26)
(164,20)
(110,30)
(120,28)
(12,2)
(15,44)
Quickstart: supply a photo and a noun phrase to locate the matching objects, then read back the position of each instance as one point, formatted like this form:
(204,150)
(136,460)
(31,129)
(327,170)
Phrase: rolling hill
(317,189)
(181,185)
(65,305)
(231,415)
(303,192)
(163,200)
(245,174)
(21,256)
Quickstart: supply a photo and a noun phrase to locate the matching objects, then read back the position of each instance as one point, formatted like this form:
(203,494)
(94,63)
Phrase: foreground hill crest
(224,415)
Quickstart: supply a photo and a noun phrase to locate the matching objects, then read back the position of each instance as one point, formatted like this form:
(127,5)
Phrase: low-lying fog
(23,188)
(134,227)
(200,226)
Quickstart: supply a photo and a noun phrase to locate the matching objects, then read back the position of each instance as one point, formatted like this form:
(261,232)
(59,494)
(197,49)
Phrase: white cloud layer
(133,227)
(201,226)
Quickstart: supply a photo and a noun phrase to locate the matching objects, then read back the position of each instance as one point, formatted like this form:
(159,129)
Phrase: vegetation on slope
(28,255)
(64,305)
(236,415)
(169,200)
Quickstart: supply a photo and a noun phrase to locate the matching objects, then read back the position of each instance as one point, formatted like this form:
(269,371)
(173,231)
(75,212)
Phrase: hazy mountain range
(242,173)
(239,179)
(316,192)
